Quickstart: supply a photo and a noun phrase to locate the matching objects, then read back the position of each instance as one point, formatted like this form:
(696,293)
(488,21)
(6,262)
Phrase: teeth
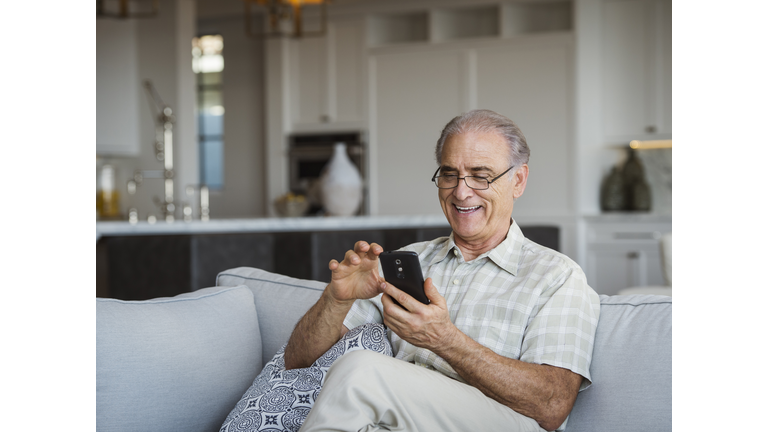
(467,208)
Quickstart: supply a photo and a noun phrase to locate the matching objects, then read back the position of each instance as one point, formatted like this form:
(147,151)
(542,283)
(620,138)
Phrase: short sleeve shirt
(520,299)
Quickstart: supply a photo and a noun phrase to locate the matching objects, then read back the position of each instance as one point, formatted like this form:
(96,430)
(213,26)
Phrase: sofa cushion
(631,368)
(174,364)
(280,302)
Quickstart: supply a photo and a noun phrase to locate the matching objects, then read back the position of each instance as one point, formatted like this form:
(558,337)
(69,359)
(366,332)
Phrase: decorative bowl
(291,205)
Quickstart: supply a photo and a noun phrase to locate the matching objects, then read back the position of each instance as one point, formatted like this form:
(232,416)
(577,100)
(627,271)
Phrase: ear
(521,179)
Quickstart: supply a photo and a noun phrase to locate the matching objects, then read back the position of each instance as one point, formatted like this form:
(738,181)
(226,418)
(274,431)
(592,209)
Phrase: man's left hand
(425,326)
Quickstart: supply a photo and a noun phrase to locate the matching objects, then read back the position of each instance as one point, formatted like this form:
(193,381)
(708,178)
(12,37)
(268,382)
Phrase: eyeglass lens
(451,181)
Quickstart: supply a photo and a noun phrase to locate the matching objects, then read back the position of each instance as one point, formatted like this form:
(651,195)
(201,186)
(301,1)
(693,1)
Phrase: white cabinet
(636,70)
(418,89)
(428,65)
(326,85)
(414,95)
(117,88)
(624,252)
(531,84)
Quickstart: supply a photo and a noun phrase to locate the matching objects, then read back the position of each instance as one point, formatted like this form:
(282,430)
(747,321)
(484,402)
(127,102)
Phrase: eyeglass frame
(435,176)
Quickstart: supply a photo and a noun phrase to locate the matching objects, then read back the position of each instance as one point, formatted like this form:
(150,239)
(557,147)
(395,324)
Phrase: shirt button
(455,252)
(455,281)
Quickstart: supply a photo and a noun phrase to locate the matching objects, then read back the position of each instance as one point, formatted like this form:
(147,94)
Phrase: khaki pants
(367,391)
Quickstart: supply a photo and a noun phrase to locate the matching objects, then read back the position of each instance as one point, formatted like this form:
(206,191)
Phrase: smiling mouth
(465,210)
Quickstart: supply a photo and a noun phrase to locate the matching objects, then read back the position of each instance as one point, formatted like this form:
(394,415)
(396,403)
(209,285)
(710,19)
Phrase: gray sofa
(182,363)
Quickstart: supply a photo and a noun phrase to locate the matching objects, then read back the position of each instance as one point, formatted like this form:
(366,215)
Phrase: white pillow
(174,364)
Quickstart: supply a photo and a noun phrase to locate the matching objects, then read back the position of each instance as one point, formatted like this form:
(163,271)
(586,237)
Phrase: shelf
(464,23)
(390,29)
(440,25)
(527,18)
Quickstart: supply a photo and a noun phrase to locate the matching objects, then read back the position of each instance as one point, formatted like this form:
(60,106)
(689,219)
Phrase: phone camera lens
(397,261)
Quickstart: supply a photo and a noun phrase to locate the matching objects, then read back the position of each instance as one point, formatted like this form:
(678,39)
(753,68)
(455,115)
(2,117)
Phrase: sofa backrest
(280,302)
(631,368)
(631,364)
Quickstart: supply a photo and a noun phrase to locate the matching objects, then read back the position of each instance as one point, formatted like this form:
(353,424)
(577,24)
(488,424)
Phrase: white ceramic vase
(341,185)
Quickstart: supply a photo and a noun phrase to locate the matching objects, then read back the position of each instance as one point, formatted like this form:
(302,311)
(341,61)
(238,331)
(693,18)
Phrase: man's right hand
(357,276)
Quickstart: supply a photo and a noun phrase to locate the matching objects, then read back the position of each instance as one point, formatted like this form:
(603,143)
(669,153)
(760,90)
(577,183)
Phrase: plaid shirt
(520,299)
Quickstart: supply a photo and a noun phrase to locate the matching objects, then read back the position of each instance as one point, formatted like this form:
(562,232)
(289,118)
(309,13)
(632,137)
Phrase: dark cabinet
(144,267)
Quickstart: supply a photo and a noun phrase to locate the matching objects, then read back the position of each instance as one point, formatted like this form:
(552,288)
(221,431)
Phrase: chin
(464,230)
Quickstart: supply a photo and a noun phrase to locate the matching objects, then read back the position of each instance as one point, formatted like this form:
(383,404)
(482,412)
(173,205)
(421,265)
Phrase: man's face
(480,217)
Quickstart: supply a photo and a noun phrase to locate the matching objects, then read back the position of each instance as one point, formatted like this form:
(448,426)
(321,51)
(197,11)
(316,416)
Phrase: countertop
(124,228)
(629,217)
(275,224)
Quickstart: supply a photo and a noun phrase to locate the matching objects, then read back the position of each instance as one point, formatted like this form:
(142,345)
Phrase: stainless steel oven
(309,153)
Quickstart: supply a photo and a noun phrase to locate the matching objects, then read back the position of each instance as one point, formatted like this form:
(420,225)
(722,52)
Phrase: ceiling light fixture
(285,17)
(648,145)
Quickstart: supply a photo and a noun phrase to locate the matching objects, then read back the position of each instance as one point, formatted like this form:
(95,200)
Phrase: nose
(462,191)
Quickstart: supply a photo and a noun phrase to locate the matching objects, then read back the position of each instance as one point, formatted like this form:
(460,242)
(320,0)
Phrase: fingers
(376,249)
(361,251)
(361,246)
(404,299)
(408,302)
(370,251)
(351,257)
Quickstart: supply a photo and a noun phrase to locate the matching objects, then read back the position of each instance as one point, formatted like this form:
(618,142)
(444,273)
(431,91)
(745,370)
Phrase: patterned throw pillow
(279,399)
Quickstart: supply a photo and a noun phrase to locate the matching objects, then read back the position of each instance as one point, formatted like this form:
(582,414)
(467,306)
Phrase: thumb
(432,293)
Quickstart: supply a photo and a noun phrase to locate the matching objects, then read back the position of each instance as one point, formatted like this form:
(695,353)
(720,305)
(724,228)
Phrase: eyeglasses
(451,181)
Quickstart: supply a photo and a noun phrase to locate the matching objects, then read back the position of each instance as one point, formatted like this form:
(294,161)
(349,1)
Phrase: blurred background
(213,111)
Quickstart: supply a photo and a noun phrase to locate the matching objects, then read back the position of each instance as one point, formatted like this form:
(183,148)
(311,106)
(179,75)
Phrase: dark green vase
(638,192)
(612,193)
(641,196)
(633,170)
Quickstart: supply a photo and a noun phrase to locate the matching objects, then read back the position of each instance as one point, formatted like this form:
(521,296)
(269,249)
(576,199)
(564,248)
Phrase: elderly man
(506,341)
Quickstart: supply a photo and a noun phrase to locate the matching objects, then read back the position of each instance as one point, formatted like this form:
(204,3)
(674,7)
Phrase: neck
(472,249)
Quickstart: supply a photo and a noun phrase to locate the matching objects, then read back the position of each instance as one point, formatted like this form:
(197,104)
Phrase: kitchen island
(143,260)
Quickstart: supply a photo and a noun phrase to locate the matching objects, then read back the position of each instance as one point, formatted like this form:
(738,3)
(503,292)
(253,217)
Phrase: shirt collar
(506,255)
(448,246)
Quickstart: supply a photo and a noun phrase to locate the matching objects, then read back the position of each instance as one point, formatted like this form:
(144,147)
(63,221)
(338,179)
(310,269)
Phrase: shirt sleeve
(364,312)
(562,333)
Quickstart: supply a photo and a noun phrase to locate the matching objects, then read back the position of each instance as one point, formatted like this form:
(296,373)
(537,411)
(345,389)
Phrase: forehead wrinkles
(475,152)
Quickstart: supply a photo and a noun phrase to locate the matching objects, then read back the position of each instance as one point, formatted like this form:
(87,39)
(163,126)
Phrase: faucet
(164,121)
(205,212)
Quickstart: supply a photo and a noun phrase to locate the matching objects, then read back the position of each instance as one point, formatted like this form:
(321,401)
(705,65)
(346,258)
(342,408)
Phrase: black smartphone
(402,269)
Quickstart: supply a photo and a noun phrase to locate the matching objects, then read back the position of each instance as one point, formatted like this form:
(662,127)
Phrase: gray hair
(483,121)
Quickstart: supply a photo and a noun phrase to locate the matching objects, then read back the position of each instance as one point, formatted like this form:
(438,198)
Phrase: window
(208,65)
